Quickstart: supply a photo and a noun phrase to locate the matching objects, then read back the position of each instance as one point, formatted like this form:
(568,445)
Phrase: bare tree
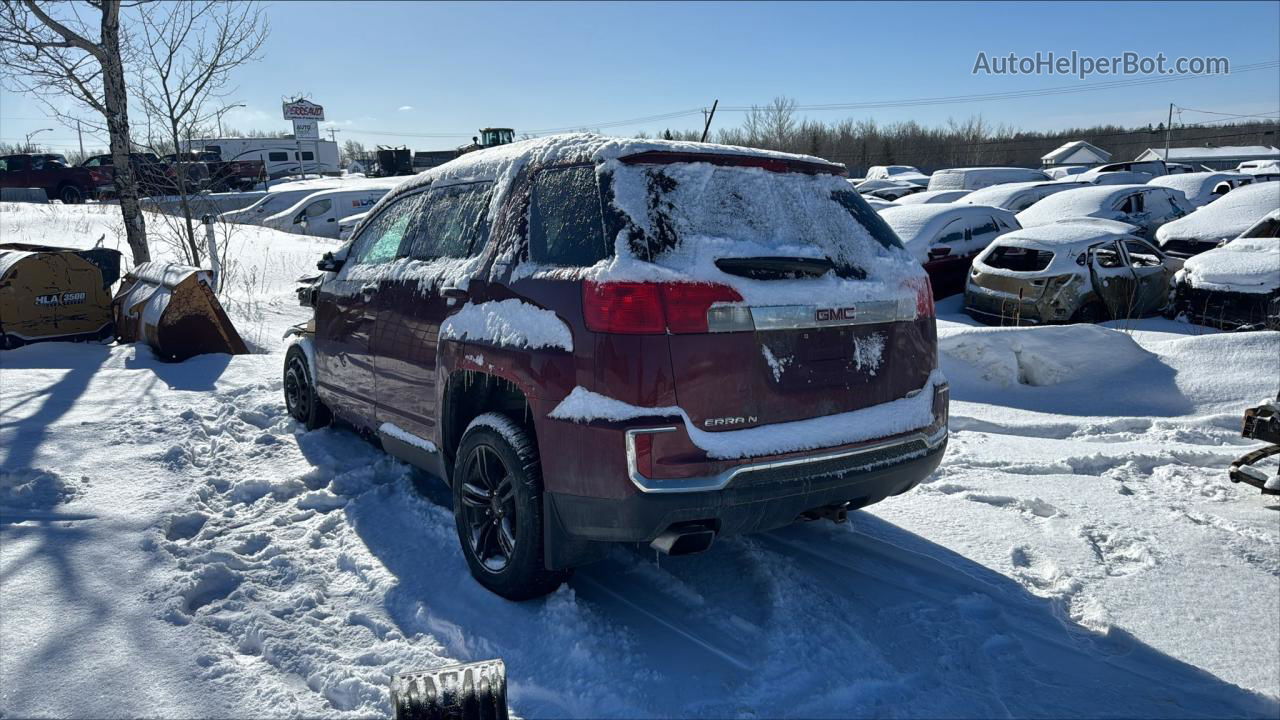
(51,53)
(189,52)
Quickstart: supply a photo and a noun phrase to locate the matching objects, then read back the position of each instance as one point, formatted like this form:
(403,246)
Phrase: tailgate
(801,361)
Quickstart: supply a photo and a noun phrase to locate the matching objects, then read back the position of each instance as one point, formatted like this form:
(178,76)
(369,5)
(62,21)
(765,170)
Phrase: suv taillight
(638,308)
(924,296)
(100,177)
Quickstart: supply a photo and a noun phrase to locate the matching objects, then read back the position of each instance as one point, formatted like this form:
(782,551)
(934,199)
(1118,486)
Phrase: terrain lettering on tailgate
(718,422)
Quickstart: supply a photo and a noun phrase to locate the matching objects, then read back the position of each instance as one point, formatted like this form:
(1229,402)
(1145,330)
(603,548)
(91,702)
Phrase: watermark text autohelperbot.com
(1082,66)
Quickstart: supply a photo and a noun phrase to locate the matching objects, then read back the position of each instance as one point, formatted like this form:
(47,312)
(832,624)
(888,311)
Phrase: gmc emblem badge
(831,314)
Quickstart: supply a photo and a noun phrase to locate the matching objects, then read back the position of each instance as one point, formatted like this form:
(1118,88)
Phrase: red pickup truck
(226,175)
(51,173)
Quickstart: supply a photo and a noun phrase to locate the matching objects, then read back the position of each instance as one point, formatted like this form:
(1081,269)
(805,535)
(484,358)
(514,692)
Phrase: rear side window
(867,217)
(380,240)
(566,218)
(454,222)
(1018,259)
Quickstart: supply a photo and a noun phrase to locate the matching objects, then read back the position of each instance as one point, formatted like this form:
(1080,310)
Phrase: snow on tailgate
(891,418)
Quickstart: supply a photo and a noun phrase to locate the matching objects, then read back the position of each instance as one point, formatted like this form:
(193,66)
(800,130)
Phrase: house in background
(1076,152)
(1226,157)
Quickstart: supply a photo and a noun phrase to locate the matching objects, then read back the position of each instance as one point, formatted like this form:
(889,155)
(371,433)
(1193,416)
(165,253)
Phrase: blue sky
(534,66)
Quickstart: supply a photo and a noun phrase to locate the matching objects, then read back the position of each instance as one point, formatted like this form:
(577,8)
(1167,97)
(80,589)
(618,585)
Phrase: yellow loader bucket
(173,309)
(53,293)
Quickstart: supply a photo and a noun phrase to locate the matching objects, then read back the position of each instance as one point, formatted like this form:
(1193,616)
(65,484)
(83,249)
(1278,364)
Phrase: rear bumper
(763,499)
(1228,310)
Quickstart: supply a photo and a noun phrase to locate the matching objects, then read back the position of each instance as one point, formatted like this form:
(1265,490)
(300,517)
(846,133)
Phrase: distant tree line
(858,144)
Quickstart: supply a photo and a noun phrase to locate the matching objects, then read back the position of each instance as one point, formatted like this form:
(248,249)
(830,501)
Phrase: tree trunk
(184,202)
(117,103)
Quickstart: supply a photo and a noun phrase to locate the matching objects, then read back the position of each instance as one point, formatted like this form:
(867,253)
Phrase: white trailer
(280,156)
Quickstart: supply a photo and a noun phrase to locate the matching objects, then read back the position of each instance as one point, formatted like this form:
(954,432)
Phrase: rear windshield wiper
(786,268)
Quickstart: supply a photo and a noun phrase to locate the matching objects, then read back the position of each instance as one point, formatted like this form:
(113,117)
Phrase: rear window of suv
(746,211)
(1018,259)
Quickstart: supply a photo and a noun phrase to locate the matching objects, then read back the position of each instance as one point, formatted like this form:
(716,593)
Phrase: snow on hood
(1248,265)
(1094,201)
(1040,356)
(929,197)
(1226,217)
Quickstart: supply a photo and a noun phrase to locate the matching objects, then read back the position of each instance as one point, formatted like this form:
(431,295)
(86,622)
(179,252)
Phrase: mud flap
(173,309)
(470,691)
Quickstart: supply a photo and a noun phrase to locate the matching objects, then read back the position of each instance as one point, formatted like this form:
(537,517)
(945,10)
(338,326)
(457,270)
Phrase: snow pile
(1041,356)
(1226,217)
(34,489)
(1248,265)
(891,418)
(510,323)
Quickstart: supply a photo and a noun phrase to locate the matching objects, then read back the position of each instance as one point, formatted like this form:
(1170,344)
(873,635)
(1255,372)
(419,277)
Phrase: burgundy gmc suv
(596,340)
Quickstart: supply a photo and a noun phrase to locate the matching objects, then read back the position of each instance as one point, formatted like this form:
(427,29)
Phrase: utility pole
(332,138)
(1168,128)
(80,137)
(706,124)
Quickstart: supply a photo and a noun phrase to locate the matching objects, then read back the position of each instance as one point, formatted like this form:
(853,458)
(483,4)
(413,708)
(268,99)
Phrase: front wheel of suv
(497,506)
(300,397)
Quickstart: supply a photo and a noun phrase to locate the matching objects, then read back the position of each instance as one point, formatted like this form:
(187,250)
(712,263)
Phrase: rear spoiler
(772,164)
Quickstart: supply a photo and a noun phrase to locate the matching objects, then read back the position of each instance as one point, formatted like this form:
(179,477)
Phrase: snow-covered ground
(172,544)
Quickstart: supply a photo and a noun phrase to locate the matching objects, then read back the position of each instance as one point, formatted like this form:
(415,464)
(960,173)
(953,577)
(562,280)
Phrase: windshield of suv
(746,211)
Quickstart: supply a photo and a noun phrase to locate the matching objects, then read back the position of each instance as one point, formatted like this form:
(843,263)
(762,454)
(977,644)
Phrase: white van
(976,178)
(283,196)
(319,214)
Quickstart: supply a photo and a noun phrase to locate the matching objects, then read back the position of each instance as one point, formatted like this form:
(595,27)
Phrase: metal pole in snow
(1168,128)
(215,266)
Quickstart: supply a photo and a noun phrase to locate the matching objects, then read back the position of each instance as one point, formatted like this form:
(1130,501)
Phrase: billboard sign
(303,110)
(306,130)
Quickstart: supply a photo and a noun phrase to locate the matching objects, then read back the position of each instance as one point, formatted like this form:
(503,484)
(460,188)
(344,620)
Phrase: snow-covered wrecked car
(598,340)
(1219,221)
(1068,272)
(976,178)
(901,173)
(1143,206)
(929,197)
(1202,188)
(944,238)
(1016,197)
(1236,285)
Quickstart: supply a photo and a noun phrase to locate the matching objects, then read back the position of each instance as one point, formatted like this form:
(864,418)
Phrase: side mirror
(329,263)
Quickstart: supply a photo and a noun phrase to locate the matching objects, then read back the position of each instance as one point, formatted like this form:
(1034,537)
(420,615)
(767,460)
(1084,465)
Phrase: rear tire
(70,194)
(300,397)
(497,507)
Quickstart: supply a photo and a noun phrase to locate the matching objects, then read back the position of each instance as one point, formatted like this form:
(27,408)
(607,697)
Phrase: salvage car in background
(1202,188)
(1067,272)
(906,173)
(318,214)
(946,237)
(1237,285)
(976,178)
(1219,221)
(1016,197)
(929,197)
(1143,206)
